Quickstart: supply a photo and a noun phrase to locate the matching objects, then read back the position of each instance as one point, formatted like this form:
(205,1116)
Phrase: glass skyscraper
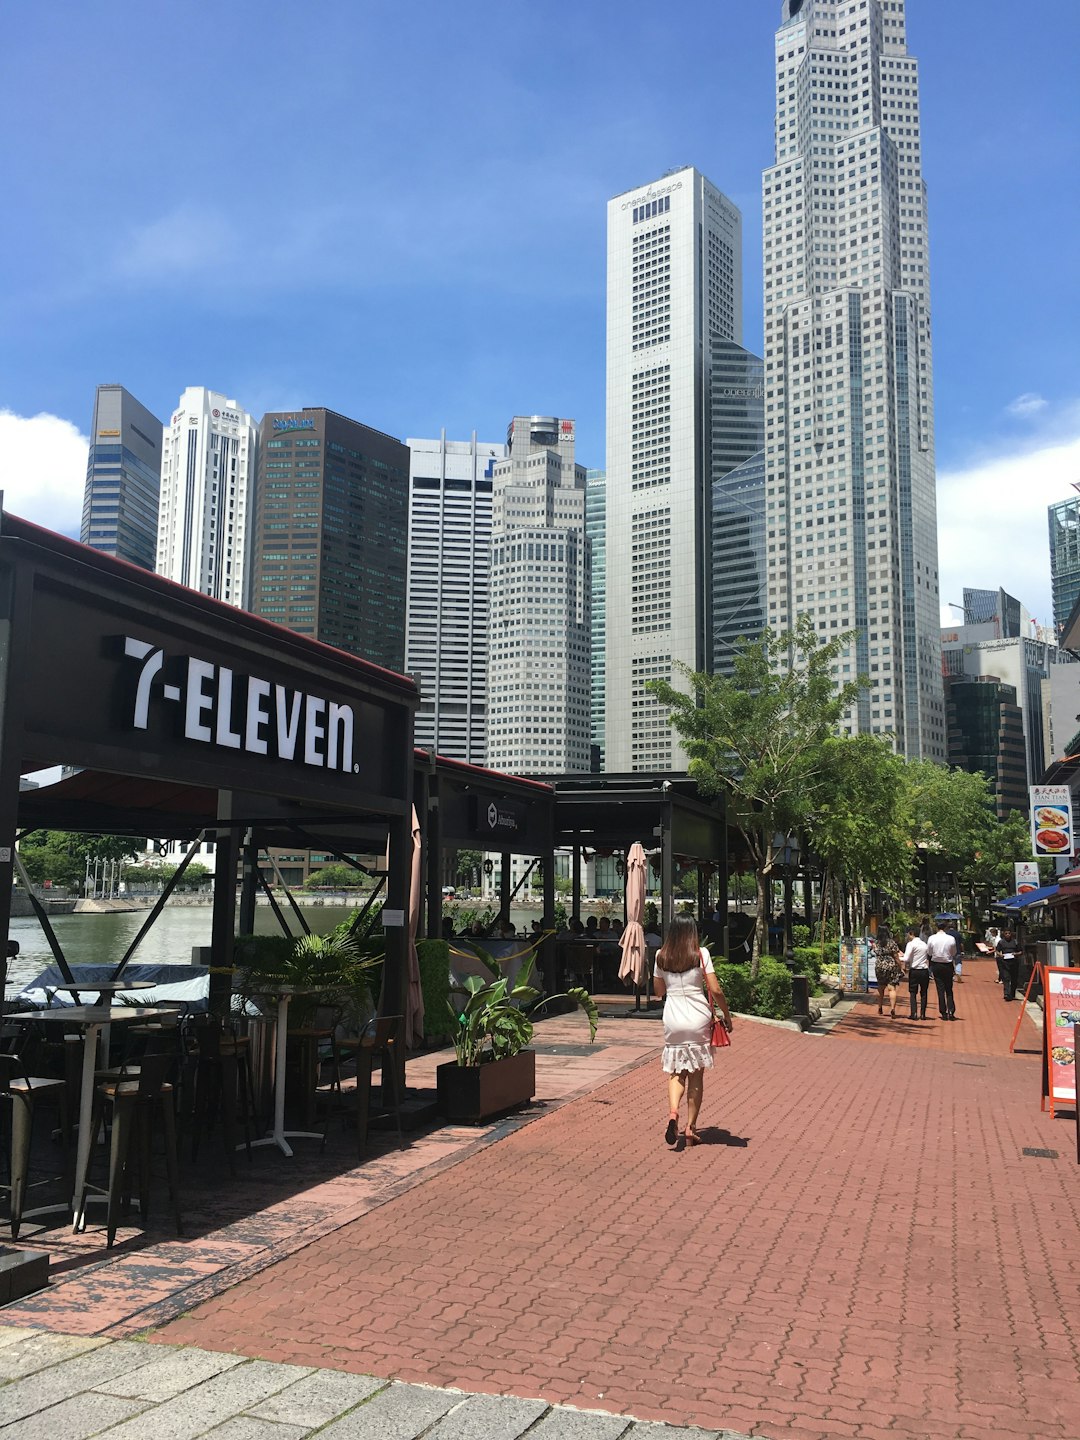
(1064,558)
(851,506)
(737,573)
(123,478)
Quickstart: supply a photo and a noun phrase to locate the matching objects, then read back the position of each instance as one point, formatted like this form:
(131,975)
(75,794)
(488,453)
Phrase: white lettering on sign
(244,712)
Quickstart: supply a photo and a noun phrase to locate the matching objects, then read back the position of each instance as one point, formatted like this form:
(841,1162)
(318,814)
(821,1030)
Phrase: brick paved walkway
(860,1249)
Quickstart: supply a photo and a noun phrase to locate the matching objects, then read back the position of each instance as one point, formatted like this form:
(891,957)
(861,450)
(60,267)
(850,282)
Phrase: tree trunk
(761,924)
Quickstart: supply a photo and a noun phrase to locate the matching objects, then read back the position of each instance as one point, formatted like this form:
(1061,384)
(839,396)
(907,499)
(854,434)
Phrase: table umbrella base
(281,1139)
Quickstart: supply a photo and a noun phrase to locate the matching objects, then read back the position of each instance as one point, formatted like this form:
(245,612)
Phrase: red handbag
(719,1037)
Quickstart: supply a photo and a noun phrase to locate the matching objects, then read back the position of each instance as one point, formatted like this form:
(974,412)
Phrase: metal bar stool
(24,1092)
(222,1076)
(132,1101)
(382,1043)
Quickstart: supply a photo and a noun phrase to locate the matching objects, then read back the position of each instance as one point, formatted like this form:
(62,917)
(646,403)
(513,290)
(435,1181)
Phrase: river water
(103,939)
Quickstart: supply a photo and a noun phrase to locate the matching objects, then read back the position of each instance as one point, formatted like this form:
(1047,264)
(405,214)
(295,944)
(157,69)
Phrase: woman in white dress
(683,974)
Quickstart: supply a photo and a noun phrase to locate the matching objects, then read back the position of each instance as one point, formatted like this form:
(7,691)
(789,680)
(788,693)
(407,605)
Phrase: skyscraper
(449,591)
(849,457)
(329,540)
(1064,520)
(538,658)
(674,285)
(737,572)
(207,467)
(123,477)
(596,529)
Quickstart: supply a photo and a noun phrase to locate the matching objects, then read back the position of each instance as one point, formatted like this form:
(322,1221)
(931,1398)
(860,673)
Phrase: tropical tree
(60,856)
(467,867)
(861,830)
(760,736)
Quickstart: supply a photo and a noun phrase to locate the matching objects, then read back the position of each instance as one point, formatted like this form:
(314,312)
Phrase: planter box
(473,1093)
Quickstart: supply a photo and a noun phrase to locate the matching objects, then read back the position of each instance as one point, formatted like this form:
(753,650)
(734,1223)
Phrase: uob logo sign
(216,706)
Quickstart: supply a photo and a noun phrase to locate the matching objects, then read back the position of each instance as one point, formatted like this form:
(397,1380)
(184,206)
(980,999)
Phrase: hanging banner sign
(1026,877)
(1061,1001)
(1051,820)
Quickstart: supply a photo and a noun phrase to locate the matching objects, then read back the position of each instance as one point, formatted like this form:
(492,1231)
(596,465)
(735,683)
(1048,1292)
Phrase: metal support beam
(159,905)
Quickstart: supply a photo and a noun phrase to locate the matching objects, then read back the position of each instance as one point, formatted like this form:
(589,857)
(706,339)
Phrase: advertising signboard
(854,963)
(1026,874)
(1051,820)
(1061,992)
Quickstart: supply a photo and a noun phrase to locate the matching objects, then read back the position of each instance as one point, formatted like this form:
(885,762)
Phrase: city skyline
(138,292)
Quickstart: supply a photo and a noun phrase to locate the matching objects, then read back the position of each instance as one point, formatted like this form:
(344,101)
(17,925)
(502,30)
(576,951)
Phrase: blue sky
(398,211)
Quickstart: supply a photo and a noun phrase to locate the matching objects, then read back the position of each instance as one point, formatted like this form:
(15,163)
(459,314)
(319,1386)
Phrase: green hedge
(434,957)
(807,960)
(768,995)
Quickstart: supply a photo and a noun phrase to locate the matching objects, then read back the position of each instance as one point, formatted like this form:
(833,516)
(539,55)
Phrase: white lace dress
(687,1018)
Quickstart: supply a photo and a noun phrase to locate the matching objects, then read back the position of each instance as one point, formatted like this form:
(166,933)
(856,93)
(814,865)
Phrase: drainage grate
(568,1049)
(1039,1154)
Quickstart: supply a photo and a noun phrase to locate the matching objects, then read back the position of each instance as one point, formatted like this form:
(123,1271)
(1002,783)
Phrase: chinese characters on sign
(1051,820)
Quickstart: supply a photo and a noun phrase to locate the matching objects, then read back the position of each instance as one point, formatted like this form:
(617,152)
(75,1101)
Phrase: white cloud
(1026,406)
(992,522)
(43,469)
(185,241)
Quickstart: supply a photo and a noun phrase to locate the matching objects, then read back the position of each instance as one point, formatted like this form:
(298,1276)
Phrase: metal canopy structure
(464,806)
(664,812)
(191,716)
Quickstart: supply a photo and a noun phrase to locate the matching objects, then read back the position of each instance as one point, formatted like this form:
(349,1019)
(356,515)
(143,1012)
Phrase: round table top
(104,987)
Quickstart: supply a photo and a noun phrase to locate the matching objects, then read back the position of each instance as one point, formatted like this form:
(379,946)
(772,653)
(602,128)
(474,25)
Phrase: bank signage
(293,422)
(228,710)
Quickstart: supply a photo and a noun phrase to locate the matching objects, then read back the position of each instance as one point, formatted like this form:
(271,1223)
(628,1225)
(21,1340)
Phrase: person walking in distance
(889,969)
(1009,964)
(684,975)
(917,964)
(942,949)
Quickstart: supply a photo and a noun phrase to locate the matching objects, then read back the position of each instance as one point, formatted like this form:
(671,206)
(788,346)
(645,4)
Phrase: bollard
(800,996)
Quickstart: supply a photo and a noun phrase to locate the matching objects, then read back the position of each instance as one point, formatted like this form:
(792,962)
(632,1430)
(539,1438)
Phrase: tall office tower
(596,529)
(674,285)
(1064,520)
(986,735)
(538,660)
(329,538)
(207,469)
(998,608)
(123,477)
(449,587)
(737,572)
(850,491)
(1022,662)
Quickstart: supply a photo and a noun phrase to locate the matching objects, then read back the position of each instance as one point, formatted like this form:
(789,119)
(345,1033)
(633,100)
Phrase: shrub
(772,990)
(800,935)
(807,961)
(736,982)
(434,958)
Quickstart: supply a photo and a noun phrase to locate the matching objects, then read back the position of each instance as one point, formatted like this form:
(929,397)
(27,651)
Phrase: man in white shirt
(917,965)
(942,949)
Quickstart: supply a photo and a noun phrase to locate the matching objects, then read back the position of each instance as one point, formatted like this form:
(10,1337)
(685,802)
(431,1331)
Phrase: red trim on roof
(16,528)
(480,770)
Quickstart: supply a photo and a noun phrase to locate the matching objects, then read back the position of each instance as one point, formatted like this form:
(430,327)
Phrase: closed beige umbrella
(634,965)
(414,994)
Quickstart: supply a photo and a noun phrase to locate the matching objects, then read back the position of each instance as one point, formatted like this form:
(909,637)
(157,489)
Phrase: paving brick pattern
(859,1249)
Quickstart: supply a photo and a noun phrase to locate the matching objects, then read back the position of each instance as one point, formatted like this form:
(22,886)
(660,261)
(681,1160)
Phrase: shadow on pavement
(712,1135)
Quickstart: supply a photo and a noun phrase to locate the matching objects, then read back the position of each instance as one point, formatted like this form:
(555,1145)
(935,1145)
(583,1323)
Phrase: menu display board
(854,963)
(1061,1002)
(1051,820)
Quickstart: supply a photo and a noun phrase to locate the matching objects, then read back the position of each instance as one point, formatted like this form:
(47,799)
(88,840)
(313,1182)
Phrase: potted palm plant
(494,1071)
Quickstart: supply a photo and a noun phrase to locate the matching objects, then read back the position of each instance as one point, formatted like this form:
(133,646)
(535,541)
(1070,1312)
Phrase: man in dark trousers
(942,949)
(1009,963)
(917,965)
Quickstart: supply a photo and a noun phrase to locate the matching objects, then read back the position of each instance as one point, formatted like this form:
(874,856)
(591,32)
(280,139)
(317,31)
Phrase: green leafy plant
(491,1016)
(335,967)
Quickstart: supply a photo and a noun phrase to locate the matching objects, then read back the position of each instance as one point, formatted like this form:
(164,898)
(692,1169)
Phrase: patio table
(278,1135)
(92,1020)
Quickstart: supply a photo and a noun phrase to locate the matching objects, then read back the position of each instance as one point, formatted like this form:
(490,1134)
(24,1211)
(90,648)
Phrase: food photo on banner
(1062,1011)
(1051,820)
(1026,876)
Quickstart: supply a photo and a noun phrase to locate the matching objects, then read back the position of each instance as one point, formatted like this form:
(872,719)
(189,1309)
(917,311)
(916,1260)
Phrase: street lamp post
(785,858)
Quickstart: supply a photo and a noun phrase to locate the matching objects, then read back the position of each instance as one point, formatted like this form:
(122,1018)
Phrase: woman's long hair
(682,947)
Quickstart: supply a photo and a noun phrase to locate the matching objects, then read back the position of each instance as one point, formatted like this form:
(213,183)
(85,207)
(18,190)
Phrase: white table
(279,1136)
(92,1020)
